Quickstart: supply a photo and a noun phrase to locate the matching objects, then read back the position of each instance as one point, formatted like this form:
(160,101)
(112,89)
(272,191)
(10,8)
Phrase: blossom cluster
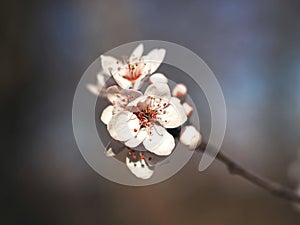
(143,122)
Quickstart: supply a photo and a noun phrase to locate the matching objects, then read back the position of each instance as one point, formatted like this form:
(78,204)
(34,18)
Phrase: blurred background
(253,47)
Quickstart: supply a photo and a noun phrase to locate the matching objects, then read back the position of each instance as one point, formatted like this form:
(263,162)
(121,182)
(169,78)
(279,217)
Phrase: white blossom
(143,118)
(131,72)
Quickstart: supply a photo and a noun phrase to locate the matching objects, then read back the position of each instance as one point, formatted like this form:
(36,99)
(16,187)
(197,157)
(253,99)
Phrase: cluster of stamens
(132,71)
(136,156)
(146,117)
(149,114)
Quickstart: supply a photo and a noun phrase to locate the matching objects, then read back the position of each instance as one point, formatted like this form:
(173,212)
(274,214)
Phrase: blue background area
(253,47)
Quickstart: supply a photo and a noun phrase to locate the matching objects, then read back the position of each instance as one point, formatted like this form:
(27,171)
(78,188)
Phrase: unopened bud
(179,91)
(190,137)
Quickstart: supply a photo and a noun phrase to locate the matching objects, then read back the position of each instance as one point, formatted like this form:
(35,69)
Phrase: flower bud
(180,91)
(190,137)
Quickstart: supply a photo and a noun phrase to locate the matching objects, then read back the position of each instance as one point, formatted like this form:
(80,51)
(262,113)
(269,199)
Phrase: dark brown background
(253,48)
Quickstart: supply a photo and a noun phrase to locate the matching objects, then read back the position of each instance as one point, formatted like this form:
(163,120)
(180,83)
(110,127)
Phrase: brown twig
(271,186)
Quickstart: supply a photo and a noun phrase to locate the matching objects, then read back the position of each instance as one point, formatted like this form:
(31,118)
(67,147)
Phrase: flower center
(146,117)
(150,113)
(134,71)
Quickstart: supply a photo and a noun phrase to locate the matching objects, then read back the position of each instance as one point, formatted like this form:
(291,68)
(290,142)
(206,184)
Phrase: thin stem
(269,185)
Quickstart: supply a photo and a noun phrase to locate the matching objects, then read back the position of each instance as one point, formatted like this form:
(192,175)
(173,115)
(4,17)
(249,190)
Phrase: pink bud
(179,91)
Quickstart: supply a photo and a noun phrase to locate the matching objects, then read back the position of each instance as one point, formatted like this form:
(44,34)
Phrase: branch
(271,186)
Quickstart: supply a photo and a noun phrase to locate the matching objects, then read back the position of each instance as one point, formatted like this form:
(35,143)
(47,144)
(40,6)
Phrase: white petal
(107,114)
(138,104)
(140,169)
(131,94)
(160,142)
(159,90)
(121,81)
(109,64)
(173,115)
(138,139)
(93,89)
(190,137)
(153,60)
(136,101)
(136,53)
(179,90)
(115,94)
(158,77)
(101,79)
(187,108)
(123,126)
(139,82)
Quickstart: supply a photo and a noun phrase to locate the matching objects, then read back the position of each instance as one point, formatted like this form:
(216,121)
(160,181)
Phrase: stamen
(131,117)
